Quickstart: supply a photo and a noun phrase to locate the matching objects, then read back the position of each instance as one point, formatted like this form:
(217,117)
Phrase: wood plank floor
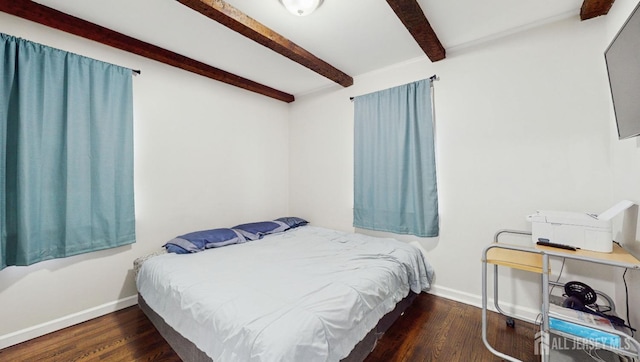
(432,329)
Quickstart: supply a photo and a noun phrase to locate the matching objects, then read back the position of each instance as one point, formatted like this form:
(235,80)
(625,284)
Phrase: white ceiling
(355,36)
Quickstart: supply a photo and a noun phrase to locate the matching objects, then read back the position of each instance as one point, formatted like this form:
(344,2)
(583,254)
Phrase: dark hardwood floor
(432,329)
(439,329)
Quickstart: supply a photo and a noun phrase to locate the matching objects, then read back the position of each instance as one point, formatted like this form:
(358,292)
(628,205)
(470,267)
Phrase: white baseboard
(26,334)
(526,314)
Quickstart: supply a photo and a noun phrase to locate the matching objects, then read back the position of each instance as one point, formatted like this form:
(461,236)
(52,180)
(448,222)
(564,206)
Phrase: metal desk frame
(540,256)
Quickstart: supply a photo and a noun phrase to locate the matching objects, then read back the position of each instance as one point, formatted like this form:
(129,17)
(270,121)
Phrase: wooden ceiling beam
(238,21)
(413,18)
(44,15)
(594,8)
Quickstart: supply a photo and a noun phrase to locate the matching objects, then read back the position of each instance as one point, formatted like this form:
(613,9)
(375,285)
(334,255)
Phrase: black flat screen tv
(623,65)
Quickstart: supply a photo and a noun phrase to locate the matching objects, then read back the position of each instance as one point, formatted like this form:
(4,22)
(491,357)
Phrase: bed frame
(188,351)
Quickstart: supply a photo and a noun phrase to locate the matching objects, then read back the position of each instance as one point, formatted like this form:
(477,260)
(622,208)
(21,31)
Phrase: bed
(304,294)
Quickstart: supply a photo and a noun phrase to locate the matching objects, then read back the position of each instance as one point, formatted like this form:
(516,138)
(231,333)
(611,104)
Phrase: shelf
(618,257)
(517,259)
(532,258)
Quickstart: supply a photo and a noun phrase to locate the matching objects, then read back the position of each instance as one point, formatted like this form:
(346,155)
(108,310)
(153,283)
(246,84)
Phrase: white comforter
(309,294)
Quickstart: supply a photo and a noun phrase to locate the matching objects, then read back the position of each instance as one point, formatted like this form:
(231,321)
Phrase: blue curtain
(66,154)
(395,175)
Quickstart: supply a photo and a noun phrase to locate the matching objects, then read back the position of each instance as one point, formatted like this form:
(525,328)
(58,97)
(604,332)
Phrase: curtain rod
(136,71)
(432,78)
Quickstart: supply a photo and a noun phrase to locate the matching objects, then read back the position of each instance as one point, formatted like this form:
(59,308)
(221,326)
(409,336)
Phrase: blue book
(586,333)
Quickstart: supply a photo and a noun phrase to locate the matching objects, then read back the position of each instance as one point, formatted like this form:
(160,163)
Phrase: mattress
(306,294)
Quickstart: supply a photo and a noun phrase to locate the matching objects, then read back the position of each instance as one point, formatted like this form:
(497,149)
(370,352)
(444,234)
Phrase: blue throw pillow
(173,248)
(213,238)
(293,221)
(256,230)
(205,239)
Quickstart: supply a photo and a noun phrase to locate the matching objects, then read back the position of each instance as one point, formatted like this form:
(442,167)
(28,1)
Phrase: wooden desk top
(516,259)
(532,260)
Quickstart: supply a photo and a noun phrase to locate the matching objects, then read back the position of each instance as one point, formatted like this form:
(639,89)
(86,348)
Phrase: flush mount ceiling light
(301,7)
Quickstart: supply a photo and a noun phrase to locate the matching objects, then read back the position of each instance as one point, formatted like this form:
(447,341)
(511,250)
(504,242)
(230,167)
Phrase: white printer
(580,230)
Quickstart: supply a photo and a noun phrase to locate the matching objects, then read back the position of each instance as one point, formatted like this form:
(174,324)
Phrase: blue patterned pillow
(293,221)
(174,248)
(205,239)
(256,230)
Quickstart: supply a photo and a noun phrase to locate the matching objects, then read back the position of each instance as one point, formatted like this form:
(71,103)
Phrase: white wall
(206,155)
(523,123)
